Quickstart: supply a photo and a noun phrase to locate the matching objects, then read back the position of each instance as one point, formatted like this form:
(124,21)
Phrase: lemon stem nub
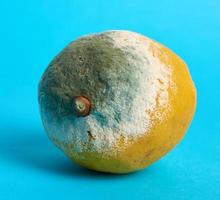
(82,106)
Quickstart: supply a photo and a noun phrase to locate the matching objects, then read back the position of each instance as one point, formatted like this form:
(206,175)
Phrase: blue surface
(34,31)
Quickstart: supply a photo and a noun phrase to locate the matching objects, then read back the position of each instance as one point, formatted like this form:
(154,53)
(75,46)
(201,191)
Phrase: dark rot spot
(149,153)
(160,81)
(82,106)
(91,137)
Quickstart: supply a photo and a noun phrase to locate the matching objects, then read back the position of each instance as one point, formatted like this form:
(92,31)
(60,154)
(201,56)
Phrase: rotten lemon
(116,101)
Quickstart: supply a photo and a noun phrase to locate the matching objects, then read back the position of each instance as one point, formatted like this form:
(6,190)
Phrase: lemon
(116,101)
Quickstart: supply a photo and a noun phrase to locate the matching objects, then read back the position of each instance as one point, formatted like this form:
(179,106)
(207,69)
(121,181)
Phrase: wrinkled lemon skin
(162,136)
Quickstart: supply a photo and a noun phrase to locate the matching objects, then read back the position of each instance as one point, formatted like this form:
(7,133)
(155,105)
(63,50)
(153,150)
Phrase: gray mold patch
(118,73)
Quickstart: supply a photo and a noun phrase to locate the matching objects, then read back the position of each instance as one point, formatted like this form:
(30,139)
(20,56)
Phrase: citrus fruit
(116,101)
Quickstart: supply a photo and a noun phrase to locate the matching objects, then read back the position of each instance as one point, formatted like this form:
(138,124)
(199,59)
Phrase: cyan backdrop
(32,32)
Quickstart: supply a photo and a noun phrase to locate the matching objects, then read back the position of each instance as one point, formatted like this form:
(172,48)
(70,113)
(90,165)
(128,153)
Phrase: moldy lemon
(116,101)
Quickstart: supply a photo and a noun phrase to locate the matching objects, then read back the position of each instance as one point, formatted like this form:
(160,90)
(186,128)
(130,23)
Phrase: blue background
(32,32)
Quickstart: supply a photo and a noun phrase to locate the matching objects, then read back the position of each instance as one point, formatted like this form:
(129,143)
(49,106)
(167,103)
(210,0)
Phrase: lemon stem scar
(82,106)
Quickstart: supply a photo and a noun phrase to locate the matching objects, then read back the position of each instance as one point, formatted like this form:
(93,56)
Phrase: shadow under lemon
(31,148)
